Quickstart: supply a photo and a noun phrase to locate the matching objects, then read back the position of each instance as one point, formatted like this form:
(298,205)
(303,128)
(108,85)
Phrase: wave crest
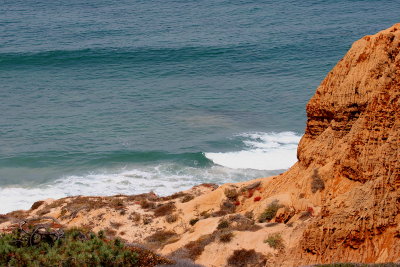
(263,151)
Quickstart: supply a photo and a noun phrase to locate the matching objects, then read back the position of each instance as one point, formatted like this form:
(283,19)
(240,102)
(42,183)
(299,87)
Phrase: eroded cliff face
(355,109)
(339,203)
(354,128)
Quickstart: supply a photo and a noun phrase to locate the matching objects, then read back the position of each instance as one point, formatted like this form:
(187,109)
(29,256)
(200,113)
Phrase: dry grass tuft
(37,204)
(193,221)
(249,215)
(317,184)
(227,207)
(223,224)
(135,216)
(231,193)
(187,198)
(147,219)
(173,196)
(275,241)
(171,218)
(164,209)
(160,236)
(72,206)
(246,258)
(145,204)
(239,222)
(110,232)
(226,237)
(196,248)
(115,225)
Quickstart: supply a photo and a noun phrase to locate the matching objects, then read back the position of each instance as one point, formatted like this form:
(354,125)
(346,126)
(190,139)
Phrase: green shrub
(275,241)
(270,212)
(76,248)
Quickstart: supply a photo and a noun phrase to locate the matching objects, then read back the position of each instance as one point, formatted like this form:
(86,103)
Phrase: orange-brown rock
(353,129)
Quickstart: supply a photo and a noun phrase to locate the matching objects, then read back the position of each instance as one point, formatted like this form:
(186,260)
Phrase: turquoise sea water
(106,97)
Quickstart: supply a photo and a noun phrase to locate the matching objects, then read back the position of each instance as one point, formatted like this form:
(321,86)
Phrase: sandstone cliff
(339,203)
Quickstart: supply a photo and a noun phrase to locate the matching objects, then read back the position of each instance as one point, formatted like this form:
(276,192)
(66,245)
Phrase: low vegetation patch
(71,206)
(270,212)
(227,207)
(226,237)
(37,204)
(145,204)
(275,241)
(249,215)
(223,224)
(239,222)
(195,248)
(165,209)
(171,218)
(246,258)
(74,247)
(135,216)
(115,225)
(173,196)
(231,193)
(146,218)
(187,198)
(317,184)
(193,221)
(161,237)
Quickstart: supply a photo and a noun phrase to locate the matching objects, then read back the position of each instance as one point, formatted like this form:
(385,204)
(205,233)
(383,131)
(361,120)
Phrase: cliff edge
(339,203)
(353,133)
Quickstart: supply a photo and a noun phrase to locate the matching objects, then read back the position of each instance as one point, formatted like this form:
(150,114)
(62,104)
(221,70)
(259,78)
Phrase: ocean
(113,97)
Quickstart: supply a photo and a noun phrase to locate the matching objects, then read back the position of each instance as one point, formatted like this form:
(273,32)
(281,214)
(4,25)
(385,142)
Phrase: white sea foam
(263,151)
(264,154)
(163,179)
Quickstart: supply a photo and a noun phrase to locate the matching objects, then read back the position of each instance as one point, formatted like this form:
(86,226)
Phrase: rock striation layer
(339,203)
(353,129)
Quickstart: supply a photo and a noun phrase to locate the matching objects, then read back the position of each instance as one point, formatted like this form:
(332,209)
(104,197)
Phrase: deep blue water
(107,97)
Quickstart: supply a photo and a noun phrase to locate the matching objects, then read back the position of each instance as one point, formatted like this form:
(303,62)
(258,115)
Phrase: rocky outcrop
(339,203)
(353,129)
